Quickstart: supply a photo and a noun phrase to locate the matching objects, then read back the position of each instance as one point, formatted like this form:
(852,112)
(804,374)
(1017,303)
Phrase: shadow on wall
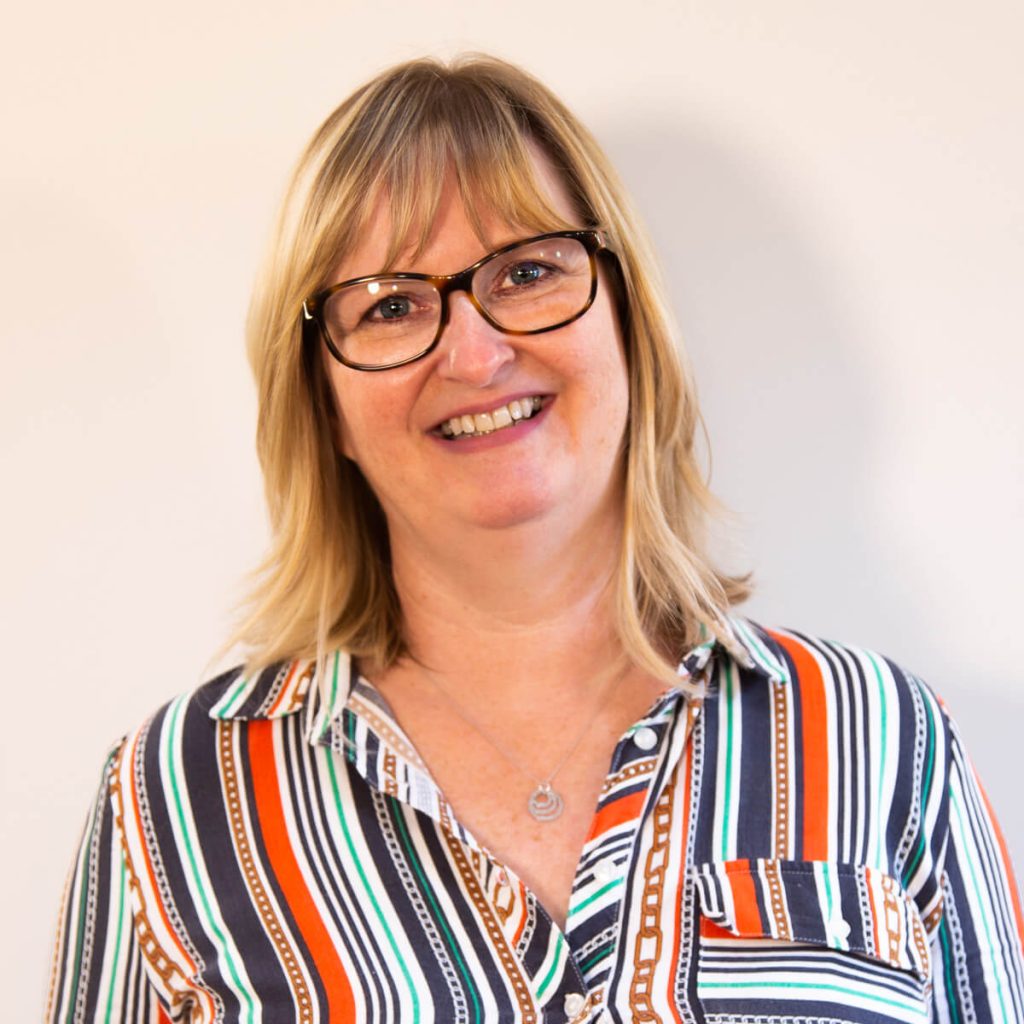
(776,340)
(787,402)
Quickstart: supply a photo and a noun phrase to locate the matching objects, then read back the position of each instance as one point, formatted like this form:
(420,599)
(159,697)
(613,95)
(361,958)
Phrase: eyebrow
(494,248)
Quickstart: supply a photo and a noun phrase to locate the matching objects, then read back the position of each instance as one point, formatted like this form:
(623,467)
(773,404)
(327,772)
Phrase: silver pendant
(545,804)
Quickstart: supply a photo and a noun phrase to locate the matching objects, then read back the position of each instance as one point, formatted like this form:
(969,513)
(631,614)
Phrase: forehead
(458,230)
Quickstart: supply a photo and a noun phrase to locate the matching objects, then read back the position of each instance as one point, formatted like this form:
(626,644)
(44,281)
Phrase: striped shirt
(793,834)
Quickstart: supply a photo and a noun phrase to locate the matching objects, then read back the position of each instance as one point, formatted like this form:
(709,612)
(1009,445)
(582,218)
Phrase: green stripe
(812,985)
(947,971)
(229,699)
(350,750)
(555,963)
(358,863)
(908,871)
(597,958)
(83,890)
(760,653)
(329,710)
(117,944)
(727,793)
(590,899)
(427,889)
(826,875)
(171,733)
(879,859)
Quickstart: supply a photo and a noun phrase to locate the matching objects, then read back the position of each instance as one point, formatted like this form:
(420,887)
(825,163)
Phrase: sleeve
(978,946)
(99,973)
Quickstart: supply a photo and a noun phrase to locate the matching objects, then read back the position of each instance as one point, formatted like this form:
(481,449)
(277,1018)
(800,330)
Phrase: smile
(495,419)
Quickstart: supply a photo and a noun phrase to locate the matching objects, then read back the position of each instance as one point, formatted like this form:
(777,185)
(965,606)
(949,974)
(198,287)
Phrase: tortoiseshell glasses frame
(315,307)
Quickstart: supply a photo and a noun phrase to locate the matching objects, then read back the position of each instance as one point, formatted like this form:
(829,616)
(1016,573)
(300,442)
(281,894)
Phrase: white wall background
(838,194)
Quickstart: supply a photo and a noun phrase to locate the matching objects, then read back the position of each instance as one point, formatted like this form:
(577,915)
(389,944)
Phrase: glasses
(528,287)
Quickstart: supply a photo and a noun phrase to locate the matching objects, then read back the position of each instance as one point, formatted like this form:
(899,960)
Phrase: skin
(502,556)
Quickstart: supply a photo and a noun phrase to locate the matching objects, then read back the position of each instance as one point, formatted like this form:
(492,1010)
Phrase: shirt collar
(291,687)
(754,648)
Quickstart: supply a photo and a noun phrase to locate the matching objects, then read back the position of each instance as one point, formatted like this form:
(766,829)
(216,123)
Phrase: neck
(528,607)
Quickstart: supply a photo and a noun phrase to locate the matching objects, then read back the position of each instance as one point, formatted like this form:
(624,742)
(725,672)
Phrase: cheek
(344,413)
(343,435)
(605,360)
(371,417)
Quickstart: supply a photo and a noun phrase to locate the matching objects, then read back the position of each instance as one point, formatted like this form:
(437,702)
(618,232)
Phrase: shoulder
(180,738)
(830,673)
(824,750)
(837,714)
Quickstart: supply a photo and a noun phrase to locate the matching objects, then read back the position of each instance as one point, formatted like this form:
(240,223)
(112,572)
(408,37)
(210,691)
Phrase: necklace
(545,802)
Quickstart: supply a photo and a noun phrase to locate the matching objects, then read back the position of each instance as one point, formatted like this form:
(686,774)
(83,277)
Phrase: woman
(488,612)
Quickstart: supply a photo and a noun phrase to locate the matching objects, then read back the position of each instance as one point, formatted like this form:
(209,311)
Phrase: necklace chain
(545,802)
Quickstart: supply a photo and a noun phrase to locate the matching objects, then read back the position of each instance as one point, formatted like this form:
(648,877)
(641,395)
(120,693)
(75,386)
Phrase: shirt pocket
(809,940)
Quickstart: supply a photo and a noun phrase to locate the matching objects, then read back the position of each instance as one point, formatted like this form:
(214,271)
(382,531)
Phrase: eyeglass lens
(389,319)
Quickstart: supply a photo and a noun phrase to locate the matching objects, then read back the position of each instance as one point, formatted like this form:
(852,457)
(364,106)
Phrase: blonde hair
(326,583)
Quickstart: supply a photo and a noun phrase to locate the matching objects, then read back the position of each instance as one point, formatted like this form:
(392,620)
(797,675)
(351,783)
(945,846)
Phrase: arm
(978,948)
(99,973)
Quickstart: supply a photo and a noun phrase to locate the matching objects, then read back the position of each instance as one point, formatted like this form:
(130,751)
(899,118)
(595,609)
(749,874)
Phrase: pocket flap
(843,906)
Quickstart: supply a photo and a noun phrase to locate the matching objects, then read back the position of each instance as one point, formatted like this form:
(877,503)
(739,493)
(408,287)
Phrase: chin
(501,515)
(512,504)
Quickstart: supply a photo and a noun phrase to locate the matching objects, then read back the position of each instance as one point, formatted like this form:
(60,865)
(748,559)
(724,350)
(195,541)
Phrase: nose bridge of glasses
(460,282)
(466,334)
(448,285)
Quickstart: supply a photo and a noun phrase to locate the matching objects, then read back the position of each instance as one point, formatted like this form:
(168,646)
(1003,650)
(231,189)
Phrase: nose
(471,350)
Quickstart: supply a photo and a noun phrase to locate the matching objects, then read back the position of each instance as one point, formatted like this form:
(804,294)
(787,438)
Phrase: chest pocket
(809,941)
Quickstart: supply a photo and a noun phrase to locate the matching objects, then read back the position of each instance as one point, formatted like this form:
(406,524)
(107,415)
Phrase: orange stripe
(814,740)
(162,1017)
(154,888)
(710,930)
(625,808)
(522,915)
(270,812)
(744,899)
(875,918)
(285,689)
(1010,880)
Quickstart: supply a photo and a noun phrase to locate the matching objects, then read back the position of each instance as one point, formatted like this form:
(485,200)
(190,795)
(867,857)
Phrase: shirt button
(840,928)
(645,738)
(604,870)
(573,1004)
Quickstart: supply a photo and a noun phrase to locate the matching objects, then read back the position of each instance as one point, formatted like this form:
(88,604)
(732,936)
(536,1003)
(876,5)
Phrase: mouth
(501,417)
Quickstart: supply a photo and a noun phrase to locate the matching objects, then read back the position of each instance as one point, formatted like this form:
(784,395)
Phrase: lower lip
(507,435)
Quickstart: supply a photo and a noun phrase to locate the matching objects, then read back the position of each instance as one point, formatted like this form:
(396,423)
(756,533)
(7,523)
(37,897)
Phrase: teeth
(496,419)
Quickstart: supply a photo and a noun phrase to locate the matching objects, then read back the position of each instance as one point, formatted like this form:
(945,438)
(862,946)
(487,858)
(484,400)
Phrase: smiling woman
(501,750)
(512,329)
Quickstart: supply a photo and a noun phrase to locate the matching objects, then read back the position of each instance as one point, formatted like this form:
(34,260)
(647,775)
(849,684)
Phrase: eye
(525,272)
(391,308)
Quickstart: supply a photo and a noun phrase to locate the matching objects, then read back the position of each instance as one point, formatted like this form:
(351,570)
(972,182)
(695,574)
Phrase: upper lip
(487,406)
